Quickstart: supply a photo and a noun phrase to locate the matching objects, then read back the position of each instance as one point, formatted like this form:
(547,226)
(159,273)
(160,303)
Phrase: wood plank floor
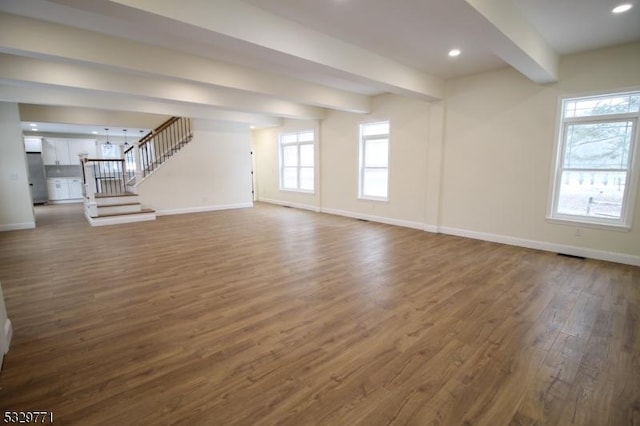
(280,316)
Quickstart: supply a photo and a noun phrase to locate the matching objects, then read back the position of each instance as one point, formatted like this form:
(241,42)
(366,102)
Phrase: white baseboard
(290,204)
(202,209)
(431,228)
(69,201)
(546,246)
(372,218)
(17,226)
(502,239)
(8,334)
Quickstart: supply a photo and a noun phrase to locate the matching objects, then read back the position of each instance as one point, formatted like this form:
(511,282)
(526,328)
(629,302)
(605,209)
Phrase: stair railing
(103,177)
(161,143)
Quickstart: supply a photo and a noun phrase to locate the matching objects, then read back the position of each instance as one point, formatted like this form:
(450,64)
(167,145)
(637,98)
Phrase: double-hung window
(596,173)
(297,153)
(374,161)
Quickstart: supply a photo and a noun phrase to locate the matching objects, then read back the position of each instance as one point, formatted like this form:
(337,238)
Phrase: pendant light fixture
(126,144)
(107,132)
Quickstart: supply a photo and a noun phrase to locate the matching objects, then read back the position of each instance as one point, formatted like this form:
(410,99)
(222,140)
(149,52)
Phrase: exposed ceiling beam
(515,41)
(89,116)
(261,33)
(32,37)
(36,71)
(62,96)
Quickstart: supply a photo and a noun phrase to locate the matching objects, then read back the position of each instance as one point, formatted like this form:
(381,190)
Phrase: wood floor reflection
(280,316)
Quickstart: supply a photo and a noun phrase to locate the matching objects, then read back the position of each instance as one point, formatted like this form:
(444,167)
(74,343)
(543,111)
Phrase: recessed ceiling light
(33,125)
(622,8)
(252,127)
(35,129)
(94,132)
(454,52)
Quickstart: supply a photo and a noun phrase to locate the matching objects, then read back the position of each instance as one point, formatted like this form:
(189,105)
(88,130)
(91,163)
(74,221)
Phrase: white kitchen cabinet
(55,152)
(49,157)
(58,189)
(52,189)
(64,189)
(75,188)
(64,152)
(33,144)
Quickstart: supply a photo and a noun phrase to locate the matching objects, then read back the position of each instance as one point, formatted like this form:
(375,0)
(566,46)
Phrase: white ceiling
(41,128)
(253,60)
(572,26)
(418,33)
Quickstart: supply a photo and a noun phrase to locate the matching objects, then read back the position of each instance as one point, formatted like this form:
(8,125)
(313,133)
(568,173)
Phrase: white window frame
(362,156)
(633,169)
(297,143)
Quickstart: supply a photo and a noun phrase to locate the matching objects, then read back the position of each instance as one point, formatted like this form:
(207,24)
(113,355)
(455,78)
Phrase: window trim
(361,158)
(298,167)
(633,172)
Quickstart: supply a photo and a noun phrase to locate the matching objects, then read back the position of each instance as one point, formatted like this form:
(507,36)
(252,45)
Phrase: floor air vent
(571,256)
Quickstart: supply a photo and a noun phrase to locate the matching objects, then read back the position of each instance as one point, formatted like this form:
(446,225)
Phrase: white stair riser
(116,220)
(102,210)
(107,201)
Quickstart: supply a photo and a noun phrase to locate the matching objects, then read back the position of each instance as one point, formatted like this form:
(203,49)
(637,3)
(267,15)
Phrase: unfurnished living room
(246,212)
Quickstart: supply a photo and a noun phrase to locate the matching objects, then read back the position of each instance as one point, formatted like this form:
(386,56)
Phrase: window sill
(378,199)
(298,191)
(588,224)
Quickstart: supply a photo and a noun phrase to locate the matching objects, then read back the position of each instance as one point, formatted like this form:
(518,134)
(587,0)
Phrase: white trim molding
(431,228)
(495,238)
(70,201)
(290,204)
(8,334)
(379,219)
(17,226)
(202,209)
(545,246)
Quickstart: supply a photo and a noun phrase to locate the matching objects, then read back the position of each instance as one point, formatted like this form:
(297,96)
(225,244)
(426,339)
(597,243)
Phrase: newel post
(138,160)
(89,185)
(89,181)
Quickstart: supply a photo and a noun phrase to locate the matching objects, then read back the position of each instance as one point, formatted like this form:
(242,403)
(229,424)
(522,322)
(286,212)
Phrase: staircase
(110,184)
(114,209)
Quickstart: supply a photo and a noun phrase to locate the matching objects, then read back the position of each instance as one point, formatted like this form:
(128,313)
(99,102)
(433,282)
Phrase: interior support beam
(30,37)
(61,96)
(36,71)
(263,33)
(89,116)
(516,41)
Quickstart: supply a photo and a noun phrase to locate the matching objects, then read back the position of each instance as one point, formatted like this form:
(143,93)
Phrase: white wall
(212,172)
(409,134)
(477,164)
(337,171)
(16,208)
(265,149)
(500,131)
